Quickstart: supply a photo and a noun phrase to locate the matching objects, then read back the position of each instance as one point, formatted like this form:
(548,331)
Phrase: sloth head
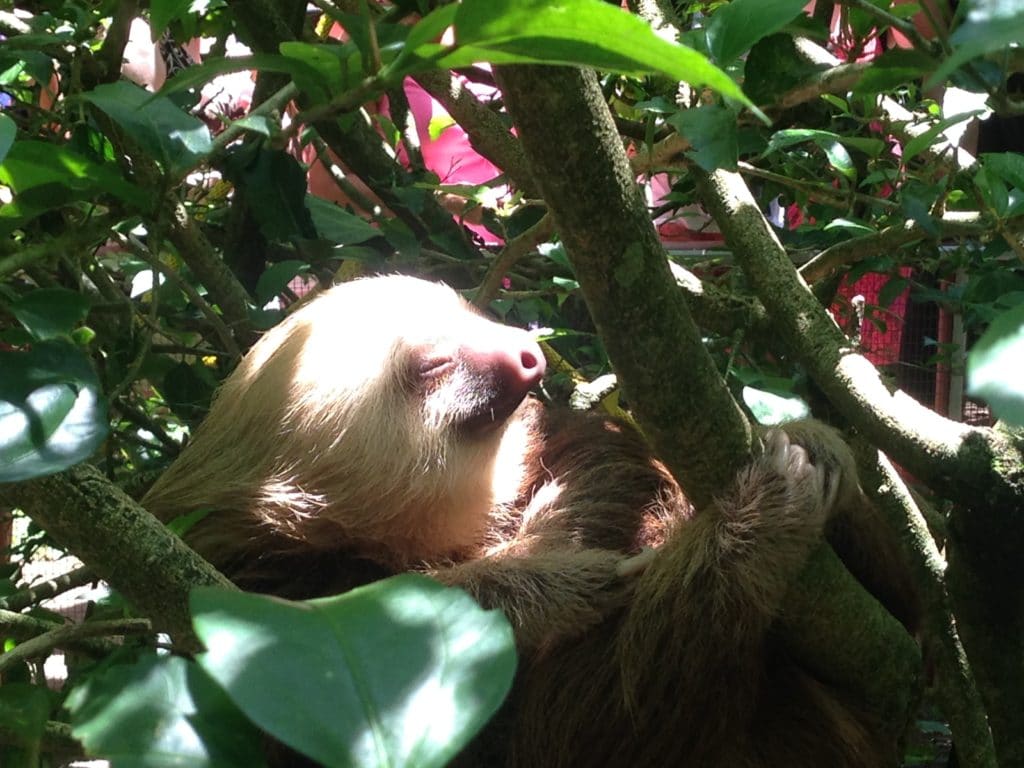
(375,415)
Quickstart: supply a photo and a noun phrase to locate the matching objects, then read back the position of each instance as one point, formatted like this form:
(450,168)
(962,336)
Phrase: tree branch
(578,160)
(121,542)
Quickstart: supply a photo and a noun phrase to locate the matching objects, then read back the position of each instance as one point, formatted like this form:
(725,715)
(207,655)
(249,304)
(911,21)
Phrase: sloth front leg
(703,605)
(548,595)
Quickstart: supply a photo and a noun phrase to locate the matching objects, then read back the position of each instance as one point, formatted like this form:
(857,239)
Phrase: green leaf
(582,32)
(32,164)
(852,226)
(276,277)
(51,414)
(163,12)
(771,408)
(161,712)
(8,130)
(171,136)
(920,143)
(1008,166)
(49,313)
(711,130)
(338,225)
(327,69)
(399,673)
(893,69)
(272,185)
(789,137)
(995,367)
(991,25)
(892,290)
(839,158)
(736,26)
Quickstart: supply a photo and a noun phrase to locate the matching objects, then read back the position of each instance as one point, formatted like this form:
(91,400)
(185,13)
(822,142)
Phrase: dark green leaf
(48,313)
(272,185)
(171,136)
(711,130)
(161,712)
(398,673)
(736,26)
(24,710)
(892,290)
(337,225)
(51,414)
(995,367)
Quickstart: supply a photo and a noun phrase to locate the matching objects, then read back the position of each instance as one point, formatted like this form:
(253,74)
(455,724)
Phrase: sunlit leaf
(171,136)
(771,408)
(51,413)
(584,32)
(398,673)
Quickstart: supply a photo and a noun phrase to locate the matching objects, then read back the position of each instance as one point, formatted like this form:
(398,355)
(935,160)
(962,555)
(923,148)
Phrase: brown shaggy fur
(327,463)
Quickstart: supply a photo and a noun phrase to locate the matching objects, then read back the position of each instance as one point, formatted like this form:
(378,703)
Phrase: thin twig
(222,331)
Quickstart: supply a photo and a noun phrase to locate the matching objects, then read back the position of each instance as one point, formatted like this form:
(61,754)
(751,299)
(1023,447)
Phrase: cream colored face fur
(376,414)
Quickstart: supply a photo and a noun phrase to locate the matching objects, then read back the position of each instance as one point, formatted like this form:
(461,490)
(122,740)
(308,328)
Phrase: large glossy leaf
(736,26)
(584,32)
(995,367)
(51,413)
(171,136)
(399,673)
(161,712)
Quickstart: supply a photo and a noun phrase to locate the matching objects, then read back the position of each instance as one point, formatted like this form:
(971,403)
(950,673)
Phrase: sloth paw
(814,486)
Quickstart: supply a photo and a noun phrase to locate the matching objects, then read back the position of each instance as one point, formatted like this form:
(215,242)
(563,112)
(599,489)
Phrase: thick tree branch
(674,390)
(121,542)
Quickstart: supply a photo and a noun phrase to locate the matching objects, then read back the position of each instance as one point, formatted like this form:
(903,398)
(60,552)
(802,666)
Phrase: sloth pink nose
(532,363)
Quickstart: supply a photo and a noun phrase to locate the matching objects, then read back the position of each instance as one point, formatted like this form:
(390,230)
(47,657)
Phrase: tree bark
(121,542)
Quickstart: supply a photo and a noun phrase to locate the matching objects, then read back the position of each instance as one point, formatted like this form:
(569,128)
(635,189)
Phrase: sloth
(387,426)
